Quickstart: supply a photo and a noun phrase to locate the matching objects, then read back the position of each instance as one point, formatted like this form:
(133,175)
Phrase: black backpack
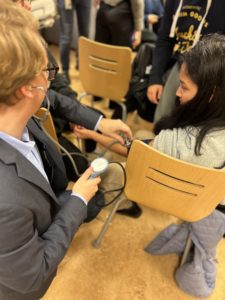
(136,98)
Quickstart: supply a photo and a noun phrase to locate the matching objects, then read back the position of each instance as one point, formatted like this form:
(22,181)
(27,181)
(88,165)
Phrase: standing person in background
(119,22)
(66,10)
(183,24)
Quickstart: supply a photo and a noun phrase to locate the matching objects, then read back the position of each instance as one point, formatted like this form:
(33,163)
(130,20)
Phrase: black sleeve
(164,46)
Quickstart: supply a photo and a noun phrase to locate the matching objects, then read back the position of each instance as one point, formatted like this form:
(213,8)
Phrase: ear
(25,91)
(211,98)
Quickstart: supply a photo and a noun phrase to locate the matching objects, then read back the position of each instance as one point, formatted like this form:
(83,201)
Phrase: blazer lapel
(54,159)
(53,154)
(25,169)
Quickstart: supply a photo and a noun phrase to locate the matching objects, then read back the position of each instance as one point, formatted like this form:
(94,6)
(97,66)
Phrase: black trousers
(114,24)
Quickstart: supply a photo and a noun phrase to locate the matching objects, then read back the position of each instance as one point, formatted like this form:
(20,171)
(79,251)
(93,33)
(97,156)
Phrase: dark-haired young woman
(195,130)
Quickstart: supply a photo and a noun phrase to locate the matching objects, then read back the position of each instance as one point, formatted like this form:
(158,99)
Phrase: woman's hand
(83,133)
(86,187)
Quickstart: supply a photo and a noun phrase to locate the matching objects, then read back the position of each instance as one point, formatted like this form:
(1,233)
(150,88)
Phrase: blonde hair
(22,50)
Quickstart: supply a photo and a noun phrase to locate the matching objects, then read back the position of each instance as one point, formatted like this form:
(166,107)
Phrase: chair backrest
(49,128)
(47,123)
(187,191)
(105,70)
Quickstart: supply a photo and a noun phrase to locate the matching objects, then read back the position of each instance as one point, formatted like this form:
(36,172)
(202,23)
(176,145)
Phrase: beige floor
(120,269)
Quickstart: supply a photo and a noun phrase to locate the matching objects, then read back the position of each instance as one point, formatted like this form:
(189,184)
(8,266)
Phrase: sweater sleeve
(164,45)
(137,7)
(167,142)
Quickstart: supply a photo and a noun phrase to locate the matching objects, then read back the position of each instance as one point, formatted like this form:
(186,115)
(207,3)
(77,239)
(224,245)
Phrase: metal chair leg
(81,96)
(186,250)
(97,242)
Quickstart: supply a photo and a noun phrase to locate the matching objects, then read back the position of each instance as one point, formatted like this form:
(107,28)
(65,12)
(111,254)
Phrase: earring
(211,98)
(213,94)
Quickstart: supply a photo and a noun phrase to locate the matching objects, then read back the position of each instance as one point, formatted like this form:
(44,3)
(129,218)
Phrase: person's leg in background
(121,24)
(65,37)
(114,24)
(167,101)
(83,12)
(102,31)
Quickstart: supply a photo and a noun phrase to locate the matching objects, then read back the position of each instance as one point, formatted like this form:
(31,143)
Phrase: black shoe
(134,211)
(66,77)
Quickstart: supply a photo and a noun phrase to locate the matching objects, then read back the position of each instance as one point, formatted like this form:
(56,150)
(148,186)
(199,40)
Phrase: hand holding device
(85,187)
(99,166)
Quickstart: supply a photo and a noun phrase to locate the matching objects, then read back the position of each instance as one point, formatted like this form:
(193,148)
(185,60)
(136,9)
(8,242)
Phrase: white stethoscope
(45,114)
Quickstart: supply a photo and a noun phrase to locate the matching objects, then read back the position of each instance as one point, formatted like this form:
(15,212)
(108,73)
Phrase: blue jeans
(83,10)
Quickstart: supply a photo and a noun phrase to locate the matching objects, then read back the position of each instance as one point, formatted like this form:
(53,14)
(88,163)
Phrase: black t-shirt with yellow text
(168,49)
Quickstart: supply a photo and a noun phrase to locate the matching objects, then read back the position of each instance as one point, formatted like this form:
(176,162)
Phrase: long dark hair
(205,64)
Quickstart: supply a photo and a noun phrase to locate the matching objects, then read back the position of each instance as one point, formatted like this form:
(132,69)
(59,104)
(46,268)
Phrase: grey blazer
(35,231)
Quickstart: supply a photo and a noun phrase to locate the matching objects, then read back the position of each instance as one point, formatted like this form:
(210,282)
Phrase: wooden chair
(47,124)
(48,127)
(105,70)
(161,182)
